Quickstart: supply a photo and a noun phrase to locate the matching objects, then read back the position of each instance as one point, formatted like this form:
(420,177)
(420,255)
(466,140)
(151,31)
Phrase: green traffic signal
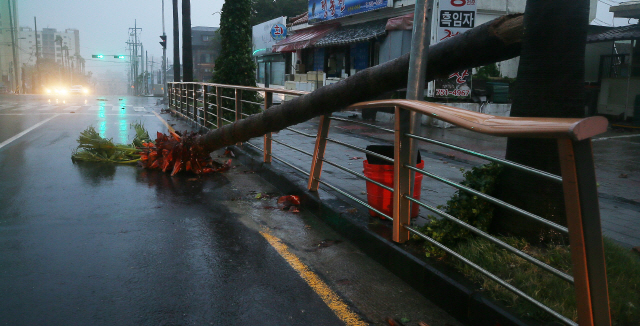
(118,56)
(97,56)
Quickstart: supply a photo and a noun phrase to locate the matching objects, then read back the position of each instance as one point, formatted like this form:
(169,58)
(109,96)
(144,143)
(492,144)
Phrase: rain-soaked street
(97,244)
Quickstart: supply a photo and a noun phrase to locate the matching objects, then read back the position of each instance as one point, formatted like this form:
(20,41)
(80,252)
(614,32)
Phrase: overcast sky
(104,24)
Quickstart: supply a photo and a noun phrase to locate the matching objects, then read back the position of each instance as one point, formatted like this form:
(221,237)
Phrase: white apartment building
(47,45)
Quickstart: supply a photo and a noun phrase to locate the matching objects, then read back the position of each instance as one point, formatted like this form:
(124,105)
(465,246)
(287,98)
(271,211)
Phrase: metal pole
(176,43)
(187,56)
(164,61)
(409,122)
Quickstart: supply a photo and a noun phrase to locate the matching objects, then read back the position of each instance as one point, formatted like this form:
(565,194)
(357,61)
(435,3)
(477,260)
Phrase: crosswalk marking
(72,108)
(47,107)
(139,109)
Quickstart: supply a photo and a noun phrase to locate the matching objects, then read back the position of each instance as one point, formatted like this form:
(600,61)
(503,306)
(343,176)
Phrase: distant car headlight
(63,91)
(48,91)
(86,91)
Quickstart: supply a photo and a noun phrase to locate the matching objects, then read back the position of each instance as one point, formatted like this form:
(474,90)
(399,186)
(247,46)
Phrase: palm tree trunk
(550,84)
(491,42)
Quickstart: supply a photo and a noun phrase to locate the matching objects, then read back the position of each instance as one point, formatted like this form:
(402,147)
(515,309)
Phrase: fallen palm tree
(492,42)
(172,153)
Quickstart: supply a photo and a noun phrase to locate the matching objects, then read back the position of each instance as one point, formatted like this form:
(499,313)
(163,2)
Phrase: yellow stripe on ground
(329,297)
(164,121)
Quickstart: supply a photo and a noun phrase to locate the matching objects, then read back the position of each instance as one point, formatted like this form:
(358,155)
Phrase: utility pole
(135,54)
(146,72)
(15,83)
(135,62)
(187,55)
(37,81)
(176,43)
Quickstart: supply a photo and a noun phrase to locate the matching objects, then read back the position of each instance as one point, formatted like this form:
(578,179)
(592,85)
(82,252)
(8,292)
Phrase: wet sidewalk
(616,155)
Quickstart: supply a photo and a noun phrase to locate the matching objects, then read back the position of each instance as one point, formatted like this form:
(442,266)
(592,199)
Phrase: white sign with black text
(454,18)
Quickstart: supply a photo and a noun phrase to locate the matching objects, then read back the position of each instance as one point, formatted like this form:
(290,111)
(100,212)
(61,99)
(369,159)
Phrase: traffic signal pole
(164,59)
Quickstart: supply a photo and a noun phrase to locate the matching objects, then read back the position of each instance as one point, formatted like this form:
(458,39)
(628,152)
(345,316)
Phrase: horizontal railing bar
(361,176)
(254,146)
(245,101)
(348,195)
(491,158)
(225,120)
(213,124)
(300,132)
(245,115)
(361,150)
(227,97)
(290,165)
(362,124)
(492,200)
(228,109)
(523,127)
(493,277)
(247,88)
(289,146)
(497,241)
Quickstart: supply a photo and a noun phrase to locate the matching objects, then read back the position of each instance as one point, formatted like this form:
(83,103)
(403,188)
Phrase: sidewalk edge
(454,294)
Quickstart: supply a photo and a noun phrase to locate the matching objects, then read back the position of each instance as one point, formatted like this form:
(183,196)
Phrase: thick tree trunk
(491,42)
(550,84)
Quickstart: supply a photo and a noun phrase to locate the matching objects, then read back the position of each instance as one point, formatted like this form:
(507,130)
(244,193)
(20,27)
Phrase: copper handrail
(572,128)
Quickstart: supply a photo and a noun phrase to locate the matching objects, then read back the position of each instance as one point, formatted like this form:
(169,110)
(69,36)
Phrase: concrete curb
(437,282)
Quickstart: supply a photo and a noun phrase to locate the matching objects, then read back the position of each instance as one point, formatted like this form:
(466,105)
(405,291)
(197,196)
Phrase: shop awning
(631,32)
(303,38)
(354,33)
(400,23)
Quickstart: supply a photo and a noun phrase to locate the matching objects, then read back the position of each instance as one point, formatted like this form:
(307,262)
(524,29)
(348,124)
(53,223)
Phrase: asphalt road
(96,244)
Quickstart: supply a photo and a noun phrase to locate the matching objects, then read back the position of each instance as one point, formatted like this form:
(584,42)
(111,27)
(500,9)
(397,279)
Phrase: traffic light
(119,56)
(97,56)
(164,41)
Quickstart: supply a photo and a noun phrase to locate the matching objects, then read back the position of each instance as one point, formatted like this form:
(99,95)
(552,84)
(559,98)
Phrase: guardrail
(194,102)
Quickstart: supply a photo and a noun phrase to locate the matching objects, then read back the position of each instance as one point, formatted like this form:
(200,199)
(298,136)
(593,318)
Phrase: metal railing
(193,102)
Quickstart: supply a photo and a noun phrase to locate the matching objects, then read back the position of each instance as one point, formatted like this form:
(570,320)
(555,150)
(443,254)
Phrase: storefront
(271,67)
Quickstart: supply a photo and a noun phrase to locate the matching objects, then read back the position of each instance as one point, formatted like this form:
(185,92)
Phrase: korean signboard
(454,18)
(278,32)
(322,10)
(267,34)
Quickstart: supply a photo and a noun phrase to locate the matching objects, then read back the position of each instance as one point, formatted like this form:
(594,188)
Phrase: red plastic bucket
(382,199)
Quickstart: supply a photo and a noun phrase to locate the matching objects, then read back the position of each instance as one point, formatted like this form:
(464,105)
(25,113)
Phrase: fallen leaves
(289,203)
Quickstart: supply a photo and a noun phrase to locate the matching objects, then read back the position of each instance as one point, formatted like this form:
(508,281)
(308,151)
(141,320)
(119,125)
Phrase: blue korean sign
(278,32)
(322,10)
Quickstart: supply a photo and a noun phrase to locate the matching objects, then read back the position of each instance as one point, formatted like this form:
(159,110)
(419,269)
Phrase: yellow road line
(330,298)
(164,122)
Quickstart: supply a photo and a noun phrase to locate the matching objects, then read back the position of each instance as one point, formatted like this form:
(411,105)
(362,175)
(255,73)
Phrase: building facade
(50,49)
(205,51)
(9,79)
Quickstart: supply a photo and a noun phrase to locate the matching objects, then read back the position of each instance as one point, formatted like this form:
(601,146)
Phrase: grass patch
(623,273)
